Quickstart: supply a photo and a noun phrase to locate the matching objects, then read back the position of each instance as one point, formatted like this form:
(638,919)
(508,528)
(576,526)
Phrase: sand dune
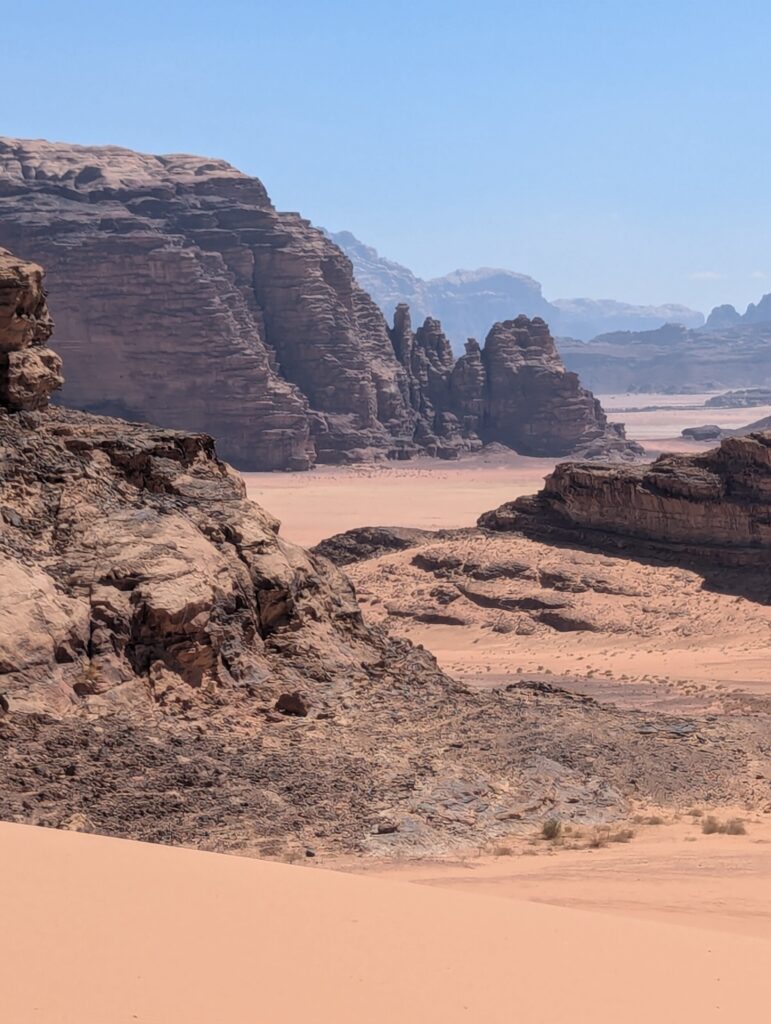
(105,931)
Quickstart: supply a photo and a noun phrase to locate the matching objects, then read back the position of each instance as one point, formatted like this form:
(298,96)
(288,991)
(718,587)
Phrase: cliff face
(714,506)
(182,297)
(514,391)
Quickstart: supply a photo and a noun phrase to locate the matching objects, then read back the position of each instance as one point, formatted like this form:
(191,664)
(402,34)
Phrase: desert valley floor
(659,640)
(476,934)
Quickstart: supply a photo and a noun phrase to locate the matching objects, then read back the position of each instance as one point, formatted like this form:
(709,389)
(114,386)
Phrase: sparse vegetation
(649,819)
(733,827)
(603,835)
(552,829)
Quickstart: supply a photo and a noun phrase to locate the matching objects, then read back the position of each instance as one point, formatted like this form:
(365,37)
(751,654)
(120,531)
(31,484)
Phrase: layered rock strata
(183,297)
(714,506)
(514,391)
(29,371)
(172,670)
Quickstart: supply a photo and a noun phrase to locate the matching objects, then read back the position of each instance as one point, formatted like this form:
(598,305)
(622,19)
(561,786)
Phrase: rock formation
(744,398)
(713,432)
(672,359)
(29,371)
(514,391)
(715,506)
(172,670)
(183,297)
(728,316)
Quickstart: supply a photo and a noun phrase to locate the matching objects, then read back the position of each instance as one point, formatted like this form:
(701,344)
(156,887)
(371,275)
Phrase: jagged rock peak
(515,391)
(29,372)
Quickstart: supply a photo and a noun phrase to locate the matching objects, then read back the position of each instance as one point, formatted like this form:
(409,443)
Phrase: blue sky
(610,148)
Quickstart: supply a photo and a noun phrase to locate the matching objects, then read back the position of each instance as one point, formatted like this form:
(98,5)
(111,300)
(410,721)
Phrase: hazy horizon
(605,151)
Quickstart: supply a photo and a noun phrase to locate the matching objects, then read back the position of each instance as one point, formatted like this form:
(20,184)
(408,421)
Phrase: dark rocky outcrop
(714,506)
(183,297)
(369,542)
(514,391)
(713,432)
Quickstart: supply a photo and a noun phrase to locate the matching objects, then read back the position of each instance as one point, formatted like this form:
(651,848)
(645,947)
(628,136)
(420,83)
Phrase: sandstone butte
(182,297)
(714,506)
(172,670)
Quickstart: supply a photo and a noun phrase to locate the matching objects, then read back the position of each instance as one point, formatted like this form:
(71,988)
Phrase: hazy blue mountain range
(728,316)
(469,302)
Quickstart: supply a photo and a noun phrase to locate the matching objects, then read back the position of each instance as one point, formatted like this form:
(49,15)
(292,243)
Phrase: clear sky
(609,148)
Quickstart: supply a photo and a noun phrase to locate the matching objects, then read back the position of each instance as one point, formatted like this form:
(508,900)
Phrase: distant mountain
(673,359)
(468,301)
(728,316)
(586,318)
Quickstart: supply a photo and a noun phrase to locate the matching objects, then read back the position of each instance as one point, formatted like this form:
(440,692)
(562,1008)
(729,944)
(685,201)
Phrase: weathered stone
(515,391)
(182,297)
(714,506)
(29,372)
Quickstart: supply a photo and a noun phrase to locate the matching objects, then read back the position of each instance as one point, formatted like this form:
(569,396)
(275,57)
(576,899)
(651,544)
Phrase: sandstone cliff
(714,506)
(172,670)
(513,391)
(183,297)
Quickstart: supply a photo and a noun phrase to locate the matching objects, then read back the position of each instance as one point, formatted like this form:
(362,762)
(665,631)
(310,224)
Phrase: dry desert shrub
(604,835)
(733,827)
(552,829)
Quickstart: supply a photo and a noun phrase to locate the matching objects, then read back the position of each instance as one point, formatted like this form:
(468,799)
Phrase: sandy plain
(673,925)
(107,930)
(433,494)
(672,646)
